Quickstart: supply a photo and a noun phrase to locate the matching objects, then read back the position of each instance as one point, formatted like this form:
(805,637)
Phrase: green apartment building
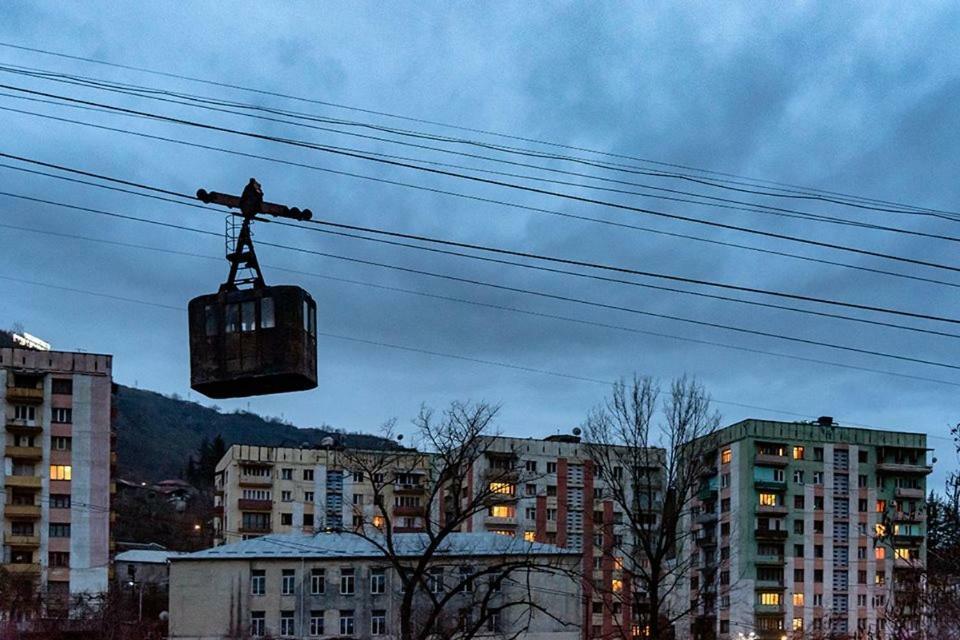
(806,529)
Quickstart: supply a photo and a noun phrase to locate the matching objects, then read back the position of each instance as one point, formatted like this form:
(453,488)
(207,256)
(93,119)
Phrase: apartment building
(340,585)
(262,490)
(57,468)
(551,493)
(806,529)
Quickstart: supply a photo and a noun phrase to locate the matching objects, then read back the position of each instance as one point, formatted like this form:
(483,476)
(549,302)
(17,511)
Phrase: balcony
(25,453)
(769,608)
(23,426)
(24,394)
(770,534)
(771,560)
(257,529)
(772,510)
(254,505)
(707,518)
(23,569)
(769,585)
(256,481)
(707,541)
(707,493)
(909,516)
(906,492)
(904,468)
(408,488)
(26,482)
(770,485)
(771,459)
(408,511)
(23,541)
(21,511)
(907,563)
(500,521)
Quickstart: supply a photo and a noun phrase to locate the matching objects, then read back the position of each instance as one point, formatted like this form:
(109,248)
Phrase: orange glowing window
(770,598)
(378,522)
(768,499)
(726,456)
(901,553)
(798,453)
(616,585)
(880,553)
(880,529)
(60,472)
(529,536)
(798,599)
(503,488)
(881,506)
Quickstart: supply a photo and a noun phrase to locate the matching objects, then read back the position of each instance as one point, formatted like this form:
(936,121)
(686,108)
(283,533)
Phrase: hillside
(157,434)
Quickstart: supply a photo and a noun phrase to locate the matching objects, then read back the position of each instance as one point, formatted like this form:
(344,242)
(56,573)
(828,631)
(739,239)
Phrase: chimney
(825,421)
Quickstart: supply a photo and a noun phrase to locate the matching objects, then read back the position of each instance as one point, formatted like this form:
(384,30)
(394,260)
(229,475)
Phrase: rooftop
(147,556)
(347,545)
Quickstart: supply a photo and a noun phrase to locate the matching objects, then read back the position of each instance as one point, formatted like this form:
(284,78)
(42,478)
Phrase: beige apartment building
(57,468)
(262,490)
(341,585)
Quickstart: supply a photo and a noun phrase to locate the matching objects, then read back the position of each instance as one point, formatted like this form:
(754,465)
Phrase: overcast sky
(855,100)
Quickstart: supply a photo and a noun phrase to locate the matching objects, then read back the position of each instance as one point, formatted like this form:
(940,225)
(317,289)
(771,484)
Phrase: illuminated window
(797,624)
(503,488)
(502,511)
(529,536)
(616,585)
(60,472)
(881,506)
(726,456)
(880,553)
(880,529)
(768,499)
(378,522)
(901,553)
(618,563)
(770,598)
(798,453)
(798,599)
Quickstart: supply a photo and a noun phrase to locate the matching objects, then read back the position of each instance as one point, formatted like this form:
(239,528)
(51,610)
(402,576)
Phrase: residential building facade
(262,490)
(341,585)
(806,530)
(57,469)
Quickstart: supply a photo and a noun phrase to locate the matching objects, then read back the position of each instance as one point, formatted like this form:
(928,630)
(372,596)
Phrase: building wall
(27,380)
(211,599)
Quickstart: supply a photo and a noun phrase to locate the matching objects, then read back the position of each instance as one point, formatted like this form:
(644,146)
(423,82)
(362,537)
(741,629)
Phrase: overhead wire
(787,189)
(473,178)
(474,302)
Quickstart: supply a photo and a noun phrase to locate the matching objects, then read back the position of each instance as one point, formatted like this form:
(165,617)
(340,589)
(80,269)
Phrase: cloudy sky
(857,100)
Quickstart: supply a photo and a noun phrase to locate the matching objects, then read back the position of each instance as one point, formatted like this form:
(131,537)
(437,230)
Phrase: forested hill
(156,434)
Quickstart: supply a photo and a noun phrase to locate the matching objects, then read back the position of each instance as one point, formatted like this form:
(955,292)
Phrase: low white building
(338,584)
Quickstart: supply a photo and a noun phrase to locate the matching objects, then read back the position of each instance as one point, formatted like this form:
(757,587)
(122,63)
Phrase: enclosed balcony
(910,493)
(26,540)
(26,482)
(245,504)
(904,468)
(24,395)
(22,511)
(25,453)
(770,534)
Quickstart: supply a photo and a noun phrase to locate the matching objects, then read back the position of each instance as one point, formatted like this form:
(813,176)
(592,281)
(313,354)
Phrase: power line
(677,318)
(474,302)
(209,104)
(478,179)
(790,190)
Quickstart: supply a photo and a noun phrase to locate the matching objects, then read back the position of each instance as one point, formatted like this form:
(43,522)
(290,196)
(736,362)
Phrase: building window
(768,499)
(59,559)
(798,526)
(308,474)
(531,489)
(726,456)
(798,453)
(798,502)
(724,480)
(531,466)
(287,580)
(493,622)
(62,386)
(258,582)
(258,624)
(725,505)
(798,624)
(317,582)
(502,488)
(818,503)
(862,456)
(818,477)
(529,536)
(346,622)
(881,506)
(286,496)
(818,454)
(378,622)
(798,599)
(798,476)
(435,580)
(286,519)
(770,598)
(59,500)
(61,443)
(551,490)
(378,581)
(347,584)
(61,415)
(880,553)
(286,474)
(551,467)
(59,529)
(316,623)
(286,624)
(60,472)
(817,600)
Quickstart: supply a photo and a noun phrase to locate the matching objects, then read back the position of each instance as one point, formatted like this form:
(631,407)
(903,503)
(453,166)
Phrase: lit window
(880,529)
(798,599)
(503,488)
(502,511)
(529,536)
(726,456)
(768,598)
(616,585)
(798,453)
(60,472)
(378,522)
(768,499)
(901,553)
(797,624)
(881,506)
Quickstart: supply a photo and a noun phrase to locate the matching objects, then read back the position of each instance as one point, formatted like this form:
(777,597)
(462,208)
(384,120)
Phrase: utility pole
(241,254)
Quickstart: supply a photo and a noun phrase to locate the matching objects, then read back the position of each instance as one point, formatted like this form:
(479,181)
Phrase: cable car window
(266,313)
(210,311)
(313,320)
(232,324)
(306,316)
(248,316)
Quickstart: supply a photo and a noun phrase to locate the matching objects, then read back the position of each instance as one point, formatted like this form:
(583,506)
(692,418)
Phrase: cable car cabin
(249,342)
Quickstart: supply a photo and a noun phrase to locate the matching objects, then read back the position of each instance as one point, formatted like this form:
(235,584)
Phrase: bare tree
(651,468)
(433,491)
